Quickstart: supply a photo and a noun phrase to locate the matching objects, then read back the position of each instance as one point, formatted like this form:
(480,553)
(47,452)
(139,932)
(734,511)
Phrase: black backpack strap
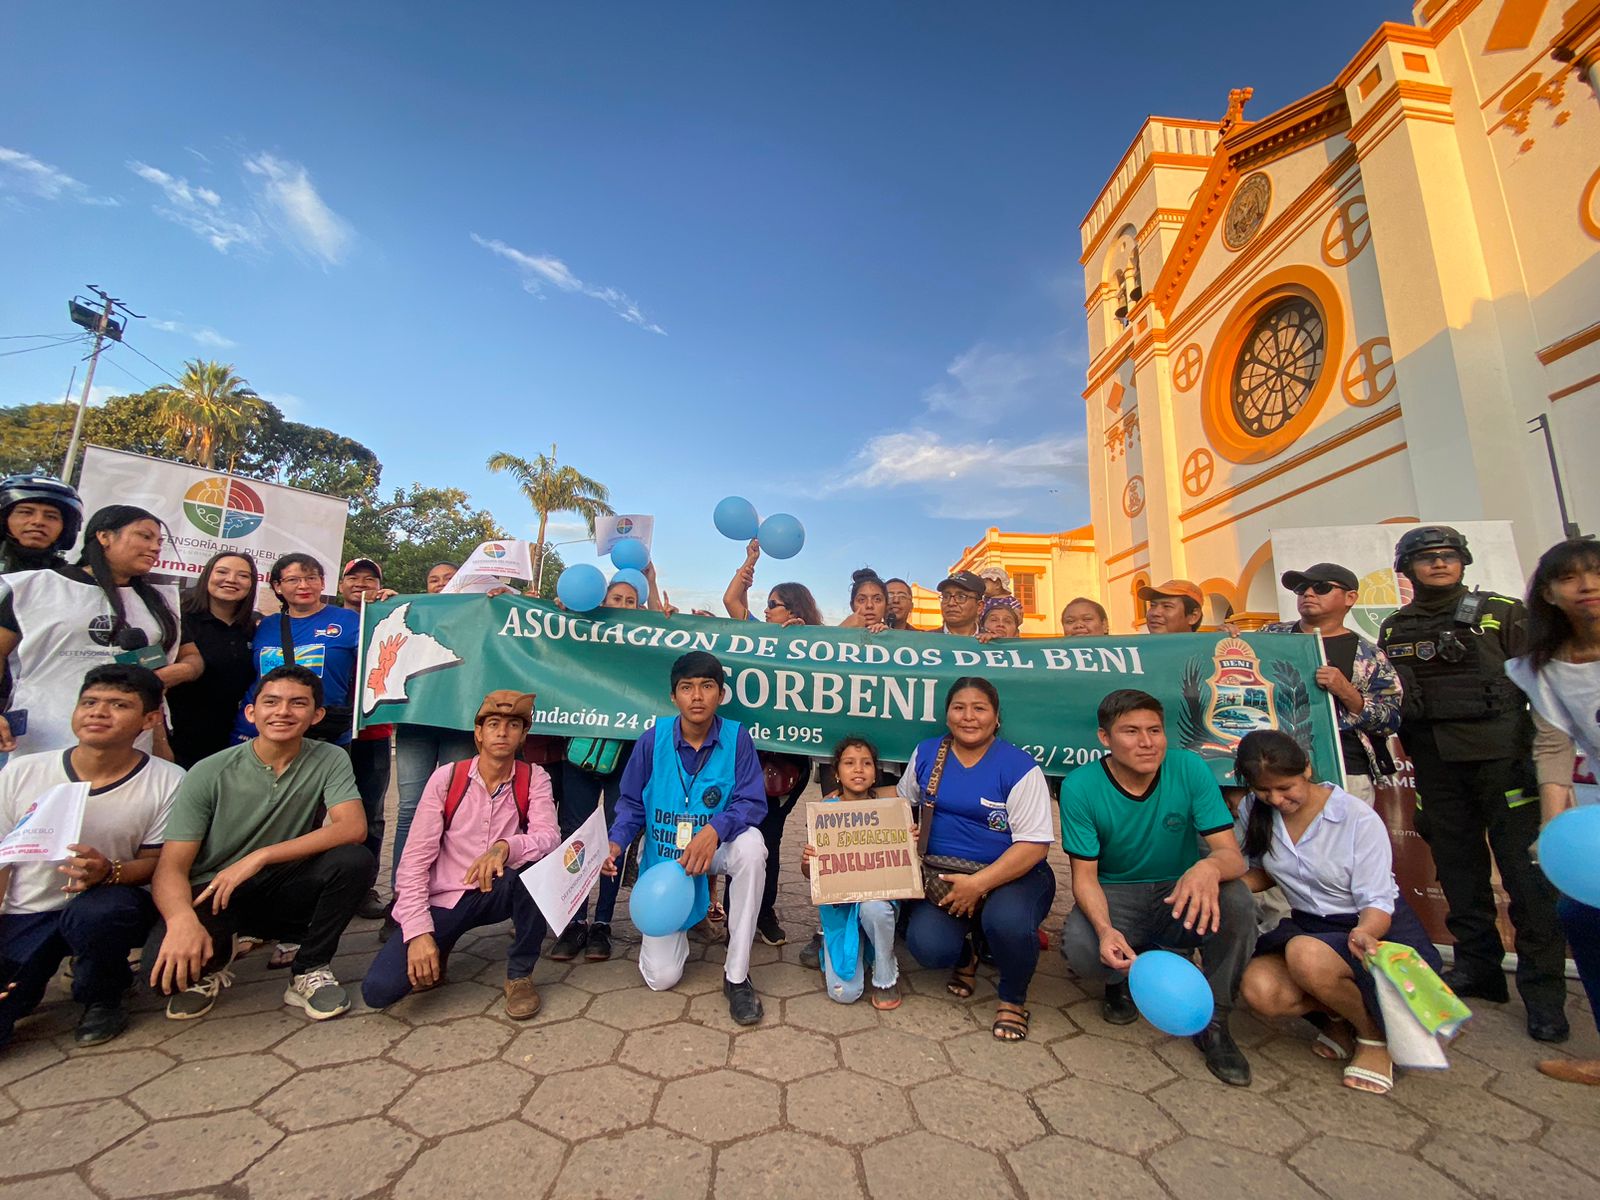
(286,638)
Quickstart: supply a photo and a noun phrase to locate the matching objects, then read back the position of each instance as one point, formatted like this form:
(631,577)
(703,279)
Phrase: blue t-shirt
(980,810)
(326,642)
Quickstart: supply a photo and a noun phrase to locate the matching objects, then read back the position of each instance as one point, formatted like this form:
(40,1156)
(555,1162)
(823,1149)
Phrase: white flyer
(560,881)
(610,530)
(501,560)
(51,824)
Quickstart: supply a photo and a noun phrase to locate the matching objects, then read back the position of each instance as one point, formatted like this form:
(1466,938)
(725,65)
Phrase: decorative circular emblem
(1186,371)
(1198,470)
(1247,210)
(1347,233)
(711,797)
(1369,373)
(1133,497)
(1278,365)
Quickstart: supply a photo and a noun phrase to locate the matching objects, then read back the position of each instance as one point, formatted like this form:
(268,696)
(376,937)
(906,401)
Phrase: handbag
(598,756)
(336,718)
(935,889)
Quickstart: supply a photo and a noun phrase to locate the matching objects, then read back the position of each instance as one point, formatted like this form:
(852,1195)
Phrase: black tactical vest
(1455,658)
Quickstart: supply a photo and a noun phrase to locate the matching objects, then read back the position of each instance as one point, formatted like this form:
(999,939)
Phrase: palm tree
(554,488)
(210,409)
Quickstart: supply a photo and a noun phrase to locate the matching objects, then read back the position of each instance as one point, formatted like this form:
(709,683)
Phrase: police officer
(1467,730)
(39,518)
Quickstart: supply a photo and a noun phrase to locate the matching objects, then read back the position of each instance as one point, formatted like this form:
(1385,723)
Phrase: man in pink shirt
(470,836)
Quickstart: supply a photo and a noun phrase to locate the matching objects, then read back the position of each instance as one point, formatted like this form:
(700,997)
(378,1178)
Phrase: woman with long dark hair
(1561,676)
(59,623)
(219,619)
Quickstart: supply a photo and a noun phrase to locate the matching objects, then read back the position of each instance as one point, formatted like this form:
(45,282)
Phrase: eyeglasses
(1322,587)
(1447,557)
(297,580)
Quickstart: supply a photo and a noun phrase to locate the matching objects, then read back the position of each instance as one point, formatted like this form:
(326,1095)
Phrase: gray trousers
(1137,912)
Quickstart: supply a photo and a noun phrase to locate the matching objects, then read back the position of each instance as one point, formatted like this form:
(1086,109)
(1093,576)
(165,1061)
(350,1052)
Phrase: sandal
(1363,1079)
(885,999)
(1328,1046)
(1010,1023)
(963,981)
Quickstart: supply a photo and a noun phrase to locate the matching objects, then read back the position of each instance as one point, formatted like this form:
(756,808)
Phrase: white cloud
(201,335)
(24,173)
(540,271)
(908,459)
(986,382)
(200,210)
(293,200)
(287,403)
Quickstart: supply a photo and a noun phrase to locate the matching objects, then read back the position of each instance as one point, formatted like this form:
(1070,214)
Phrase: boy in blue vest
(695,787)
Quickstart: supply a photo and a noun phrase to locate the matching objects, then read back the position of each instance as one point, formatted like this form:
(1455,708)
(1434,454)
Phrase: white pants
(744,862)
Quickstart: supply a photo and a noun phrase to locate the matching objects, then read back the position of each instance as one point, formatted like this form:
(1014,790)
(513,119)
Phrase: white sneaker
(318,992)
(197,999)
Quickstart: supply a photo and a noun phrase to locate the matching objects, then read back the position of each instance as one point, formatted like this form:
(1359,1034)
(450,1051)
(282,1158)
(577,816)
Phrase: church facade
(1365,307)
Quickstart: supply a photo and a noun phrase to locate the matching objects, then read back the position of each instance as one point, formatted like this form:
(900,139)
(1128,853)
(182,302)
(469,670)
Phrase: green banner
(429,659)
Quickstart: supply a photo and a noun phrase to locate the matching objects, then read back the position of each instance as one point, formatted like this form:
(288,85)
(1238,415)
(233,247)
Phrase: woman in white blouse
(1330,853)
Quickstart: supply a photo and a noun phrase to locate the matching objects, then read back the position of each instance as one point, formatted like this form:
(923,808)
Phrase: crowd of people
(230,804)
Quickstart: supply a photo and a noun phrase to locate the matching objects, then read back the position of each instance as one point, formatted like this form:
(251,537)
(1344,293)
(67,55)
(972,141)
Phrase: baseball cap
(1332,573)
(358,563)
(1171,588)
(967,581)
(503,703)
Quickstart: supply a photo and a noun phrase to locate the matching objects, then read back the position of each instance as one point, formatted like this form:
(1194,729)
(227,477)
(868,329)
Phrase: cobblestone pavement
(614,1091)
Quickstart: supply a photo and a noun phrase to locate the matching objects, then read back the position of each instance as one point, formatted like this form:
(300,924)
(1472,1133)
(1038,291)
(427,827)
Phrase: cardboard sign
(865,851)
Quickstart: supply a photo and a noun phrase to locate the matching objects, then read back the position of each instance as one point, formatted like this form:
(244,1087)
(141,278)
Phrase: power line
(128,373)
(153,363)
(23,337)
(51,346)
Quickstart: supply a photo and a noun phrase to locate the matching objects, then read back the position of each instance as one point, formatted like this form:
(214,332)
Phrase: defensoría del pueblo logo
(494,550)
(573,858)
(224,508)
(624,526)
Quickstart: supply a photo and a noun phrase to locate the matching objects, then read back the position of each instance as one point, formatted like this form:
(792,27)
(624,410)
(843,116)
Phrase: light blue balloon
(1569,853)
(662,899)
(736,518)
(629,553)
(1171,993)
(782,536)
(581,587)
(635,580)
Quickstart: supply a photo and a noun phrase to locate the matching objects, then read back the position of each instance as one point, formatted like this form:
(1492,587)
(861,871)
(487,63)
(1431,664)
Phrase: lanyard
(702,756)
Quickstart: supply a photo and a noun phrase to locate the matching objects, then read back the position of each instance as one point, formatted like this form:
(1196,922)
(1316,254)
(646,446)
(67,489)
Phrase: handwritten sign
(865,851)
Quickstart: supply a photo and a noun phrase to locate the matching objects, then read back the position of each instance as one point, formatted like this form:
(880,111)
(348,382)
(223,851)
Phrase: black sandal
(1010,1023)
(963,981)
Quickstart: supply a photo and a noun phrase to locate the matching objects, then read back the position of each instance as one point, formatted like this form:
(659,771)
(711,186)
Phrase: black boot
(1470,986)
(1547,1023)
(1118,1007)
(1224,1059)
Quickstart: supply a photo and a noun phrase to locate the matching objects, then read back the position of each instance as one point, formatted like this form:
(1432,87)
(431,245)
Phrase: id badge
(685,833)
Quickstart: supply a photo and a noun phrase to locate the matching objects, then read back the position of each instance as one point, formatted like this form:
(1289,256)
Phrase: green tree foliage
(551,487)
(415,528)
(210,413)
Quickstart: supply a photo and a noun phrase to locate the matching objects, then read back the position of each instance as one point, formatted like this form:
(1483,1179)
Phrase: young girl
(843,956)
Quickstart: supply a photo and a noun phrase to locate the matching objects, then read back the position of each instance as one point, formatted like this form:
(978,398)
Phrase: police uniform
(1467,730)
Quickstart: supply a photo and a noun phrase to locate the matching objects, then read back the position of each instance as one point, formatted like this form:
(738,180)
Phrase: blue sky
(823,256)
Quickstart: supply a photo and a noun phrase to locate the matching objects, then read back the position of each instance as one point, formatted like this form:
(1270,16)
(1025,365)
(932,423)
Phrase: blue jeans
(420,750)
(369,760)
(387,980)
(1010,920)
(877,927)
(96,929)
(1582,925)
(580,792)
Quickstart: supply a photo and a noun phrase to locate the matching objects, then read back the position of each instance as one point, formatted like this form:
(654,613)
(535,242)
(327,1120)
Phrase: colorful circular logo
(1381,592)
(624,526)
(573,858)
(494,550)
(223,508)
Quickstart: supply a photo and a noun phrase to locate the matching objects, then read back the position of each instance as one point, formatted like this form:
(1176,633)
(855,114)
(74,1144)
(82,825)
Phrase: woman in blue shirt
(988,805)
(1331,855)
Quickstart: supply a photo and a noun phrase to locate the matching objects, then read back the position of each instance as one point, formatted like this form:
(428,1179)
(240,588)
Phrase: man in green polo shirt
(247,848)
(1133,825)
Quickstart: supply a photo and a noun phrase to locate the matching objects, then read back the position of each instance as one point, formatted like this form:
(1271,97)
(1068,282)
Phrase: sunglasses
(772,604)
(1436,556)
(1322,587)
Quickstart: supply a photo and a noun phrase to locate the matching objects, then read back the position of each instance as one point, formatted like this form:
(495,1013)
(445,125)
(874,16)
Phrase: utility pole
(104,326)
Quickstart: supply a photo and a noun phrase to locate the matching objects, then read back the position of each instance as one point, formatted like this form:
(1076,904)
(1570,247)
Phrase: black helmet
(42,489)
(1429,537)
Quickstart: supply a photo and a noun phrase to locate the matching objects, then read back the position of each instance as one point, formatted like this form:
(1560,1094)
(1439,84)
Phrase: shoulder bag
(935,865)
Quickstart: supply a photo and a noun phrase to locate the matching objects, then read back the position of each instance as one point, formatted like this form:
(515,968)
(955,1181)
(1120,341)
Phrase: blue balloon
(1569,853)
(1171,993)
(662,899)
(629,553)
(782,536)
(736,518)
(635,580)
(581,587)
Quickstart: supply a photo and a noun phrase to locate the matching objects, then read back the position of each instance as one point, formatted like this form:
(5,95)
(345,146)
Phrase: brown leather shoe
(1572,1070)
(522,998)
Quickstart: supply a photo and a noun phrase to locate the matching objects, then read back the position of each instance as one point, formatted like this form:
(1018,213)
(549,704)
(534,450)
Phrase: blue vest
(665,803)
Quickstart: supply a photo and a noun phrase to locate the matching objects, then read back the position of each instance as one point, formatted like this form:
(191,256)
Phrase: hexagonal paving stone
(980,1114)
(1506,1170)
(562,1046)
(454,1044)
(191,1152)
(212,1037)
(785,1165)
(1229,1114)
(711,1010)
(345,1093)
(343,1039)
(1557,1101)
(464,999)
(894,1055)
(93,1077)
(816,1011)
(1096,1174)
(668,1051)
(785,979)
(1465,1109)
(931,1016)
(341,1162)
(1021,1065)
(637,1008)
(211,1085)
(921,1165)
(559,1002)
(700,978)
(56,1187)
(1053,992)
(23,1058)
(719,1106)
(643,1164)
(1116,1063)
(1185,1058)
(1201,1170)
(604,976)
(847,1107)
(507,1159)
(1347,1172)
(444,1102)
(783,1054)
(931,983)
(577,1105)
(1107,1116)
(54,1139)
(1575,1143)
(1086,1015)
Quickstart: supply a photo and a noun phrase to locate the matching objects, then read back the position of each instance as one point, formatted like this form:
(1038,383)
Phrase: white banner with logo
(491,564)
(609,530)
(560,881)
(207,511)
(1368,550)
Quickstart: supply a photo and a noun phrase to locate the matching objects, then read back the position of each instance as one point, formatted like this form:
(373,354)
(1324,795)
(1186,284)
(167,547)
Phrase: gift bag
(1420,1012)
